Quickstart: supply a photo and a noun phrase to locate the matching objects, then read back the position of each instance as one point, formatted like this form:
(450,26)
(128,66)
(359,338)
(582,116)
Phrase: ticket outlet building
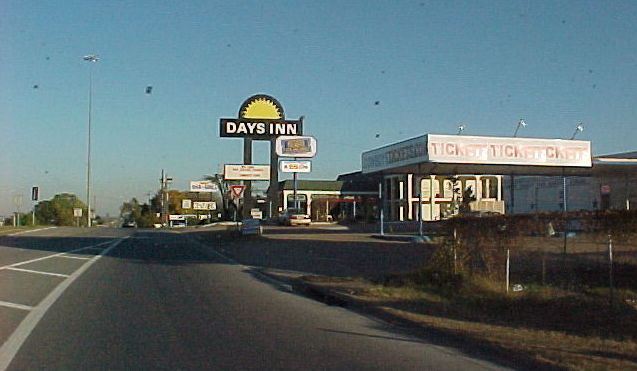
(432,175)
(611,185)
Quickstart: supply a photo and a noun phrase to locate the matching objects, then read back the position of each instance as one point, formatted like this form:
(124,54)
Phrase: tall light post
(521,123)
(578,128)
(91,59)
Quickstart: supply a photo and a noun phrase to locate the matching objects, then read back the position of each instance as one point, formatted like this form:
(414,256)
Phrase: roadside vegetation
(57,211)
(567,304)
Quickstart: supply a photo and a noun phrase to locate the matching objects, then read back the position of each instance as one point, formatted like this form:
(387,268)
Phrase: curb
(402,237)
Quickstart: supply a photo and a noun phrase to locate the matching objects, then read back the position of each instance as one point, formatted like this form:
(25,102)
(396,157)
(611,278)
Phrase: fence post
(610,271)
(508,269)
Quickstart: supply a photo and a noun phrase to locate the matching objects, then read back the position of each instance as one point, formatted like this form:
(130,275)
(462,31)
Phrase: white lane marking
(11,347)
(73,257)
(15,305)
(52,256)
(37,272)
(30,231)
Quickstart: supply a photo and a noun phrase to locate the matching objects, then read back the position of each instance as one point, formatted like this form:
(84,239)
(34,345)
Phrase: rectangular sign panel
(186,204)
(508,151)
(296,146)
(295,166)
(200,205)
(246,172)
(203,186)
(411,151)
(258,128)
(462,149)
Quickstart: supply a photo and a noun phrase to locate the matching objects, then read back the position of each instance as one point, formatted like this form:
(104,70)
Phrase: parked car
(294,216)
(129,223)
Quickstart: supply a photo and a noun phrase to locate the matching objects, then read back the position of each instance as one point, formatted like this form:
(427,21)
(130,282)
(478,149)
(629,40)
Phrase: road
(134,299)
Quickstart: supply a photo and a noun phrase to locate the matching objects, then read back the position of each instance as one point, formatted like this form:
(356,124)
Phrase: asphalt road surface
(126,299)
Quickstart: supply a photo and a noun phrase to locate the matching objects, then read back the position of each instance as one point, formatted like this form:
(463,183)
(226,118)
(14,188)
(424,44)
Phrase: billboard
(287,166)
(203,186)
(246,172)
(296,146)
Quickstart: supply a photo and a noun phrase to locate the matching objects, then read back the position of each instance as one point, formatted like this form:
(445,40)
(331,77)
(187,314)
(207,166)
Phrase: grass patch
(574,330)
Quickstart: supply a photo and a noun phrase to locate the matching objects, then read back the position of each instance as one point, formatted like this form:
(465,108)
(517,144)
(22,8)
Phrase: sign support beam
(247,160)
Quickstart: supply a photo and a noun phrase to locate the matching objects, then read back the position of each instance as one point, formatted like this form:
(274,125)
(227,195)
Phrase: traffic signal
(35,193)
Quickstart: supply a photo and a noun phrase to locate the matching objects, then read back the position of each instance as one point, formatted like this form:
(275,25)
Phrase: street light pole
(461,128)
(89,58)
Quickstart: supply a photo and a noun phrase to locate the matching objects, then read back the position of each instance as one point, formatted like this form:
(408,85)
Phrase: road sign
(246,172)
(296,146)
(186,204)
(208,205)
(237,191)
(203,186)
(35,193)
(77,212)
(296,166)
(605,189)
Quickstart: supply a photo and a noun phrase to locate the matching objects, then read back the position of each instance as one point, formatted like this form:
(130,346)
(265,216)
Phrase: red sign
(605,189)
(237,190)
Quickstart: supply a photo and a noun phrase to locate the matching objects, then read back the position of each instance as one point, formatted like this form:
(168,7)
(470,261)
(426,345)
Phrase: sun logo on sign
(261,107)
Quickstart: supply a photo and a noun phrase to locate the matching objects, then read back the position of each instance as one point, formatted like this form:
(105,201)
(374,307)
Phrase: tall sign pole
(261,117)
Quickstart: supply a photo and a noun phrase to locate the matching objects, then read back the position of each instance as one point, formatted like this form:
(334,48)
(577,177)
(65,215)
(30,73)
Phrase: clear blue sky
(430,65)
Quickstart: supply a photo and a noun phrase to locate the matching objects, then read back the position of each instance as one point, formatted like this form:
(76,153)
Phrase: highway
(122,299)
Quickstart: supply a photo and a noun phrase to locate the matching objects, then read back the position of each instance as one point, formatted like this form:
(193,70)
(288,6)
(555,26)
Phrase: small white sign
(256,213)
(296,146)
(186,204)
(77,212)
(203,186)
(295,166)
(176,217)
(200,205)
(246,172)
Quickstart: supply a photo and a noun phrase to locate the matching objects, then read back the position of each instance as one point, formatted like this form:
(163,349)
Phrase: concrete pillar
(432,197)
(401,198)
(410,196)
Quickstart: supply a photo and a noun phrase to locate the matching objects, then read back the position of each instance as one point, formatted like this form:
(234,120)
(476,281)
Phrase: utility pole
(92,59)
(163,181)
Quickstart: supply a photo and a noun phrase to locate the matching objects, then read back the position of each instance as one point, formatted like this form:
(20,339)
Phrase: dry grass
(549,325)
(553,347)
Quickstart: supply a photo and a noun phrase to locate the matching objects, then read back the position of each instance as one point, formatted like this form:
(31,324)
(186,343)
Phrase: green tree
(59,210)
(145,215)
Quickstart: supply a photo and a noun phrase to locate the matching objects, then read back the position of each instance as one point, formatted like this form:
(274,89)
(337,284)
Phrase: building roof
(358,185)
(621,155)
(312,185)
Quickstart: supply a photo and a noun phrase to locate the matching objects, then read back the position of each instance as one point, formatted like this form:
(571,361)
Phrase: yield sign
(237,190)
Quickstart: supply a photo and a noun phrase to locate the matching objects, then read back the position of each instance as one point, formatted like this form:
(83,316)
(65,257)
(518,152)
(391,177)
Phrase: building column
(410,193)
(432,197)
(478,188)
(401,198)
(499,188)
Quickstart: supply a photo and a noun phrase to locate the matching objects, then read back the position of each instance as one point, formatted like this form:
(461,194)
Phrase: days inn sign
(261,117)
(259,128)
